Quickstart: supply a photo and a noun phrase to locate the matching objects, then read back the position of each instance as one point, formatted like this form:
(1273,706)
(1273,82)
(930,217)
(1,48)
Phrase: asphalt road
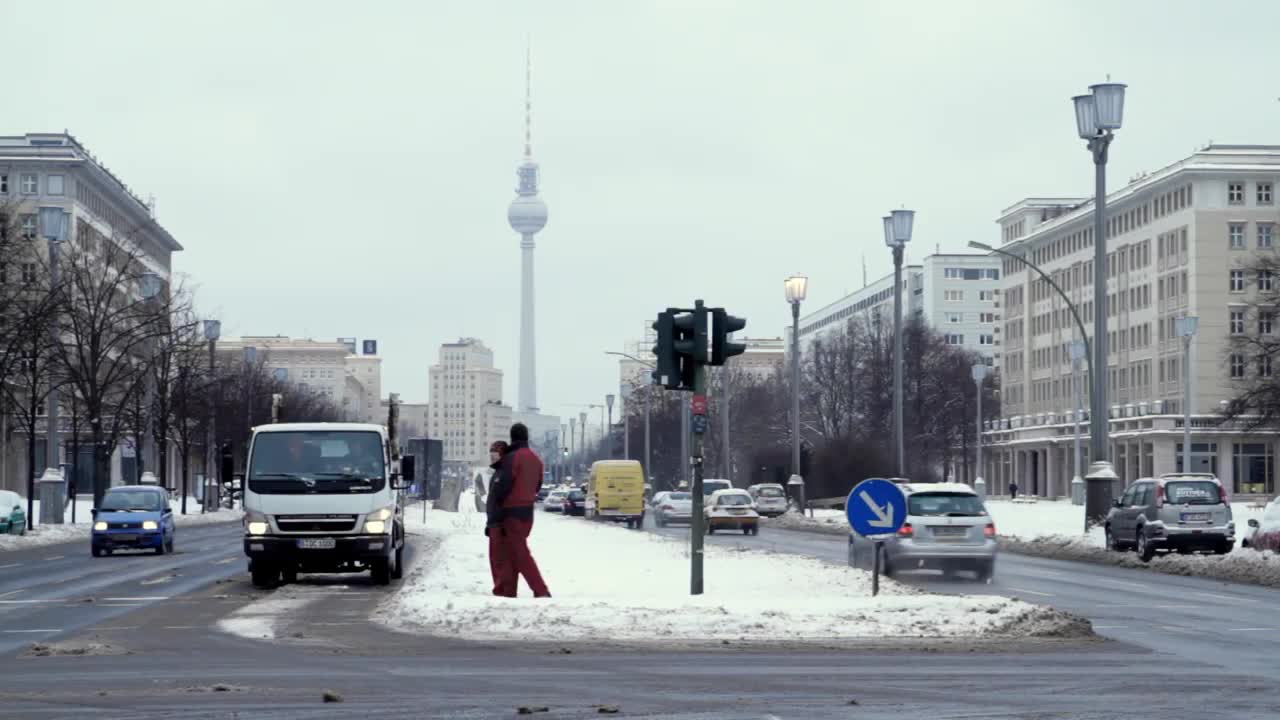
(1183,619)
(155,644)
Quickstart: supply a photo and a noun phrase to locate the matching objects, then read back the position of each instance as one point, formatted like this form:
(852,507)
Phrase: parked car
(1178,512)
(13,515)
(947,528)
(543,492)
(672,507)
(771,499)
(575,503)
(133,517)
(1264,535)
(554,501)
(731,510)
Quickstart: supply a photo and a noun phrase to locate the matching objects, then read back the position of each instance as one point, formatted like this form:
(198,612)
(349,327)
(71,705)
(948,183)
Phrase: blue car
(133,517)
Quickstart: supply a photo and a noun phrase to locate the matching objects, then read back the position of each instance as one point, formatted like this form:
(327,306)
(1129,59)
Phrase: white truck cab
(323,498)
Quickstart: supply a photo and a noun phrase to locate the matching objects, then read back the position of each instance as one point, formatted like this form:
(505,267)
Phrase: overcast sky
(343,169)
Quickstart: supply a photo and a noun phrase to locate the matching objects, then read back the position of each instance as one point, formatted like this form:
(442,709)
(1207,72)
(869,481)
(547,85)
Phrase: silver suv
(1182,512)
(947,528)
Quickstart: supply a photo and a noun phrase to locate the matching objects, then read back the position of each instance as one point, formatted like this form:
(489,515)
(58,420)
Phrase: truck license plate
(317,543)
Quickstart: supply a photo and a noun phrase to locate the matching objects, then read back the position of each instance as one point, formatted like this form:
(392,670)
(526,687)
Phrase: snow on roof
(318,427)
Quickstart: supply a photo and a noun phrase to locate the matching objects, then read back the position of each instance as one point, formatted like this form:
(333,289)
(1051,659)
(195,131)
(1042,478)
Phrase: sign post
(876,509)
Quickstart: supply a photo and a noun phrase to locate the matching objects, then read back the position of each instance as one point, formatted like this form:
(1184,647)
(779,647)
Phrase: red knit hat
(499,446)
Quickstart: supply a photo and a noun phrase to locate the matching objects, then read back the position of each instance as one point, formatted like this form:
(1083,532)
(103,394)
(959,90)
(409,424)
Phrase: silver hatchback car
(1182,512)
(947,528)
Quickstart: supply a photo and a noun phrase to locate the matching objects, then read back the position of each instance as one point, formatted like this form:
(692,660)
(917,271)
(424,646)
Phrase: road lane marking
(21,602)
(1248,629)
(1180,607)
(1216,596)
(42,630)
(1124,583)
(3,567)
(1110,627)
(55,557)
(1031,592)
(122,627)
(225,561)
(182,627)
(1177,628)
(135,599)
(11,593)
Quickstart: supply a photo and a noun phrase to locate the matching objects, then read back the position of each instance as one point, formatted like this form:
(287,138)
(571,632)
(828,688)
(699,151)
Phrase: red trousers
(509,558)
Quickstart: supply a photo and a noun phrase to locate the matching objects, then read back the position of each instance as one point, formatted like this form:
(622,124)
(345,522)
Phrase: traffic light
(667,362)
(722,324)
(690,343)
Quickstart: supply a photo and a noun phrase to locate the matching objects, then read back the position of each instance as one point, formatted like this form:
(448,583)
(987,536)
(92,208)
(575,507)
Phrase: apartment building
(1178,243)
(467,412)
(351,382)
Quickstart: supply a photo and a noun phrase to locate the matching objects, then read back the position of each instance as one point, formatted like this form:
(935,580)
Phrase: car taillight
(668,507)
(906,531)
(990,530)
(1222,493)
(1159,496)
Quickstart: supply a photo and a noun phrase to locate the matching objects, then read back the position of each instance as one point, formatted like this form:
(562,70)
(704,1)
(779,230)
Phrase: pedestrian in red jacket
(511,514)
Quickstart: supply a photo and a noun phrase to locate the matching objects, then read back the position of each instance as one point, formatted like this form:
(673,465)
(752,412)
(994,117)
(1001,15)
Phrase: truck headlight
(375,527)
(375,523)
(150,525)
(255,523)
(100,525)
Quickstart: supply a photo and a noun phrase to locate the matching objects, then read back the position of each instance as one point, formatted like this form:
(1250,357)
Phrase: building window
(955,339)
(29,229)
(953,273)
(986,340)
(1235,193)
(987,317)
(1266,234)
(54,184)
(1264,193)
(1235,232)
(1265,321)
(1237,366)
(955,317)
(28,273)
(1237,322)
(4,184)
(1264,279)
(1237,281)
(29,184)
(986,295)
(1264,366)
(953,295)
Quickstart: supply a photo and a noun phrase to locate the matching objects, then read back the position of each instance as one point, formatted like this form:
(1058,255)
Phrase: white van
(323,498)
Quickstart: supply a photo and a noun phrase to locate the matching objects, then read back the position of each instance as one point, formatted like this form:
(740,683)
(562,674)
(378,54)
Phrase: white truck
(324,498)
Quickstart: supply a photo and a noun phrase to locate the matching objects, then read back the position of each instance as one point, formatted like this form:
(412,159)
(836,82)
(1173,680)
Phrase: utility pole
(724,429)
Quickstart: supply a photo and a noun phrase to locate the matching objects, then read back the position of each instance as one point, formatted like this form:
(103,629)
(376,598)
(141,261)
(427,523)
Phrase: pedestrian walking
(511,501)
(493,528)
(1013,490)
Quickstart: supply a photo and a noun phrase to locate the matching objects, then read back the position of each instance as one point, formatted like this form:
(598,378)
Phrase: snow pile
(1242,565)
(614,584)
(832,522)
(43,535)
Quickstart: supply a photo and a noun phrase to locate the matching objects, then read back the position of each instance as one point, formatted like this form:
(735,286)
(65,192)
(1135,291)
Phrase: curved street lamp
(898,225)
(796,288)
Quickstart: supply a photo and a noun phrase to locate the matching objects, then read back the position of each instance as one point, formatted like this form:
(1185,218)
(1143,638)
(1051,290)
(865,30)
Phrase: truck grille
(316,523)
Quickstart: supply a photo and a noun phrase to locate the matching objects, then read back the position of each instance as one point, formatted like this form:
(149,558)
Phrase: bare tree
(1252,353)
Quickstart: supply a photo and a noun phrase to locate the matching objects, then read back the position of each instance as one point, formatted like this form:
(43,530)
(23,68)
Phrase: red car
(1265,535)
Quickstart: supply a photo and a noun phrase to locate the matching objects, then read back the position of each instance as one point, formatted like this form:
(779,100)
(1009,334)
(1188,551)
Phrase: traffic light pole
(698,530)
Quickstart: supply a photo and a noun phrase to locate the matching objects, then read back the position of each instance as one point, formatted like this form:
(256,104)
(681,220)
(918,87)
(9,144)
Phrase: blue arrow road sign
(876,507)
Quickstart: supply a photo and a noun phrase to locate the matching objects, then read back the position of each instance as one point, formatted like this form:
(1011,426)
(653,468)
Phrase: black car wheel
(1146,550)
(264,576)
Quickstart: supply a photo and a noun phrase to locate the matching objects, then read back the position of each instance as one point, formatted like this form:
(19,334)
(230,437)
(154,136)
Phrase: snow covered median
(610,584)
(43,535)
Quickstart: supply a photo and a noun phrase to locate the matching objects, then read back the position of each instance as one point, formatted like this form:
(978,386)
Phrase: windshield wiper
(277,475)
(344,476)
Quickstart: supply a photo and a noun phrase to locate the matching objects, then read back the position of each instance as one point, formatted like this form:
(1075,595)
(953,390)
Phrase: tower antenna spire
(528,98)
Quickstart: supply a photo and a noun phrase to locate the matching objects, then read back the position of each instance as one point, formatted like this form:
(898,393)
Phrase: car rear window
(1192,492)
(678,496)
(577,495)
(941,503)
(734,499)
(770,492)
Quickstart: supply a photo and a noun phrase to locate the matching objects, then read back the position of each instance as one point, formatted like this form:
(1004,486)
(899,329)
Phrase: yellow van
(615,492)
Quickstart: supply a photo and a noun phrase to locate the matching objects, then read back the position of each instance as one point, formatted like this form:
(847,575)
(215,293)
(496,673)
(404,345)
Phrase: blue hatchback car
(133,517)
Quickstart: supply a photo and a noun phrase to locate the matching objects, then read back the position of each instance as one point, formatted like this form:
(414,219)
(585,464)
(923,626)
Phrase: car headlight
(375,527)
(255,523)
(150,525)
(100,525)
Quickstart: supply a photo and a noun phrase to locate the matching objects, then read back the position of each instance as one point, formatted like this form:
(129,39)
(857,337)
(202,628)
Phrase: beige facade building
(1178,240)
(362,394)
(467,412)
(353,383)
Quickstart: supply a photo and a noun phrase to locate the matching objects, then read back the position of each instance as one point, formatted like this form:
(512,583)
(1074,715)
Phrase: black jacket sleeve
(499,488)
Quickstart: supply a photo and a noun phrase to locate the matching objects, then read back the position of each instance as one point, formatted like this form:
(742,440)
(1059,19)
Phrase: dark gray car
(1182,512)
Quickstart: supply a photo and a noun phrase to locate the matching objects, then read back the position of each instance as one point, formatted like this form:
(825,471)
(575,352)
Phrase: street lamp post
(796,288)
(1098,115)
(1186,328)
(979,372)
(608,401)
(1079,350)
(582,447)
(53,226)
(212,331)
(573,442)
(897,233)
(149,285)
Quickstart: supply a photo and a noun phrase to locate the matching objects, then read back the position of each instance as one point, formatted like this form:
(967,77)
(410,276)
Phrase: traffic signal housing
(722,324)
(666,361)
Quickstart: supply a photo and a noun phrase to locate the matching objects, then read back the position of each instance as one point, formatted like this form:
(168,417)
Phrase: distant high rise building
(527,215)
(353,383)
(466,409)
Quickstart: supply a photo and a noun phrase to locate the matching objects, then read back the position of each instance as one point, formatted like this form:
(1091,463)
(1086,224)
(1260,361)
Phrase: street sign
(698,405)
(699,424)
(876,507)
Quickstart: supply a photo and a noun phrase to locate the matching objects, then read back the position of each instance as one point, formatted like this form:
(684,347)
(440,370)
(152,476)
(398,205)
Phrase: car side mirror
(1253,523)
(1117,503)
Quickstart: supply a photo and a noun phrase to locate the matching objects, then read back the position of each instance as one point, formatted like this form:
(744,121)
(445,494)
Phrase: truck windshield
(319,461)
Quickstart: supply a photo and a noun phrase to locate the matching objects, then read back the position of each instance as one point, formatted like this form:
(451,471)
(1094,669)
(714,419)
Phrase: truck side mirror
(408,471)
